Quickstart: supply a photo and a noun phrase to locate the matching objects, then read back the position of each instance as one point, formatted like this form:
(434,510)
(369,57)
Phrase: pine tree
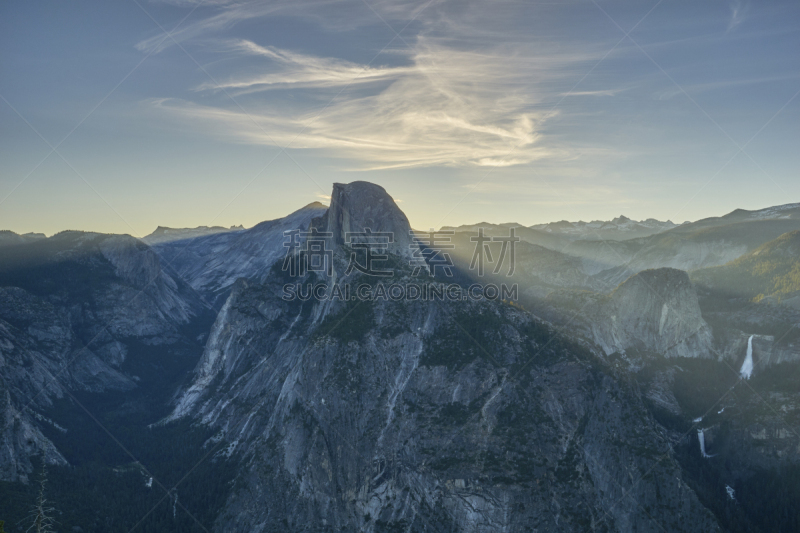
(42,511)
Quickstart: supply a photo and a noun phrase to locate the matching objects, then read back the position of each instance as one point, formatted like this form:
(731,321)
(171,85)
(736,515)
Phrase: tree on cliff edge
(42,511)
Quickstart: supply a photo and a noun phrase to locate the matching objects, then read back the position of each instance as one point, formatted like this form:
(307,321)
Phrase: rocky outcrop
(360,206)
(38,344)
(655,311)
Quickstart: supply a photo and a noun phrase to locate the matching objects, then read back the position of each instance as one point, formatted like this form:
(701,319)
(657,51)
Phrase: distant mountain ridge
(620,228)
(8,238)
(165,234)
(212,261)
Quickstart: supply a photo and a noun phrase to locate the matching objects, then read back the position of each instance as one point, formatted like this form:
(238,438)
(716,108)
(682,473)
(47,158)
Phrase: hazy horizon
(416,226)
(181,113)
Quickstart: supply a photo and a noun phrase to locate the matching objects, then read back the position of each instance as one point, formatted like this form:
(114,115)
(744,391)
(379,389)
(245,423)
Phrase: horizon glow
(463,112)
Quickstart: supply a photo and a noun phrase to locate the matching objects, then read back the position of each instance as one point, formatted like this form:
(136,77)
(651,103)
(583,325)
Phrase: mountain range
(606,395)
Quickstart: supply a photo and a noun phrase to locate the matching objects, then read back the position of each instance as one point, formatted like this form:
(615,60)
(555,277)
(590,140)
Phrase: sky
(122,116)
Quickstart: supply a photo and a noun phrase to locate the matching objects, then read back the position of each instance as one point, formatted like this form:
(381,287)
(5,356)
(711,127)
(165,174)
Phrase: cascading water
(746,371)
(702,438)
(747,366)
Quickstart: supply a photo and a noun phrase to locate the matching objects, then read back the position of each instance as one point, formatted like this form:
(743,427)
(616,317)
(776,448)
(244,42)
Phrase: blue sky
(465,111)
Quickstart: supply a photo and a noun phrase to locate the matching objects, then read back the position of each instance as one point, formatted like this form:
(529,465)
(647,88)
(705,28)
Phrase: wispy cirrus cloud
(444,107)
(724,84)
(224,16)
(599,92)
(296,70)
(216,16)
(739,11)
(448,96)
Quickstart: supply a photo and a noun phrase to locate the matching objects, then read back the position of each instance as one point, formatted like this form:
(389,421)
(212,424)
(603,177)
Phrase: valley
(645,377)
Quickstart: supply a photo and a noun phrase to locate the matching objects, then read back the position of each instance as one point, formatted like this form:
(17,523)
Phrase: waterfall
(702,438)
(747,366)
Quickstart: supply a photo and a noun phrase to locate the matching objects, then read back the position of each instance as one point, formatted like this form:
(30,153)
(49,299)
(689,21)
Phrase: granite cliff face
(654,311)
(71,308)
(360,206)
(21,440)
(387,414)
(657,311)
(422,415)
(211,263)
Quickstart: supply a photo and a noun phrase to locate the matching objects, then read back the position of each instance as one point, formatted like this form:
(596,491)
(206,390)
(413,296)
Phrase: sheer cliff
(423,415)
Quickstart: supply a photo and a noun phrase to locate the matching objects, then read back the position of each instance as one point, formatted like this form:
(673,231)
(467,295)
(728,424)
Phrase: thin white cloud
(225,16)
(739,11)
(723,84)
(446,107)
(448,97)
(297,70)
(602,92)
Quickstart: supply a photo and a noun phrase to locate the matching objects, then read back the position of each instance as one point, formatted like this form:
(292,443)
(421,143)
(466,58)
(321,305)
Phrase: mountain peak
(359,206)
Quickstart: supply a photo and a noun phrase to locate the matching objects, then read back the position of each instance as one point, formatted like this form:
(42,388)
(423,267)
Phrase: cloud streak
(225,16)
(445,107)
(294,70)
(739,11)
(221,15)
